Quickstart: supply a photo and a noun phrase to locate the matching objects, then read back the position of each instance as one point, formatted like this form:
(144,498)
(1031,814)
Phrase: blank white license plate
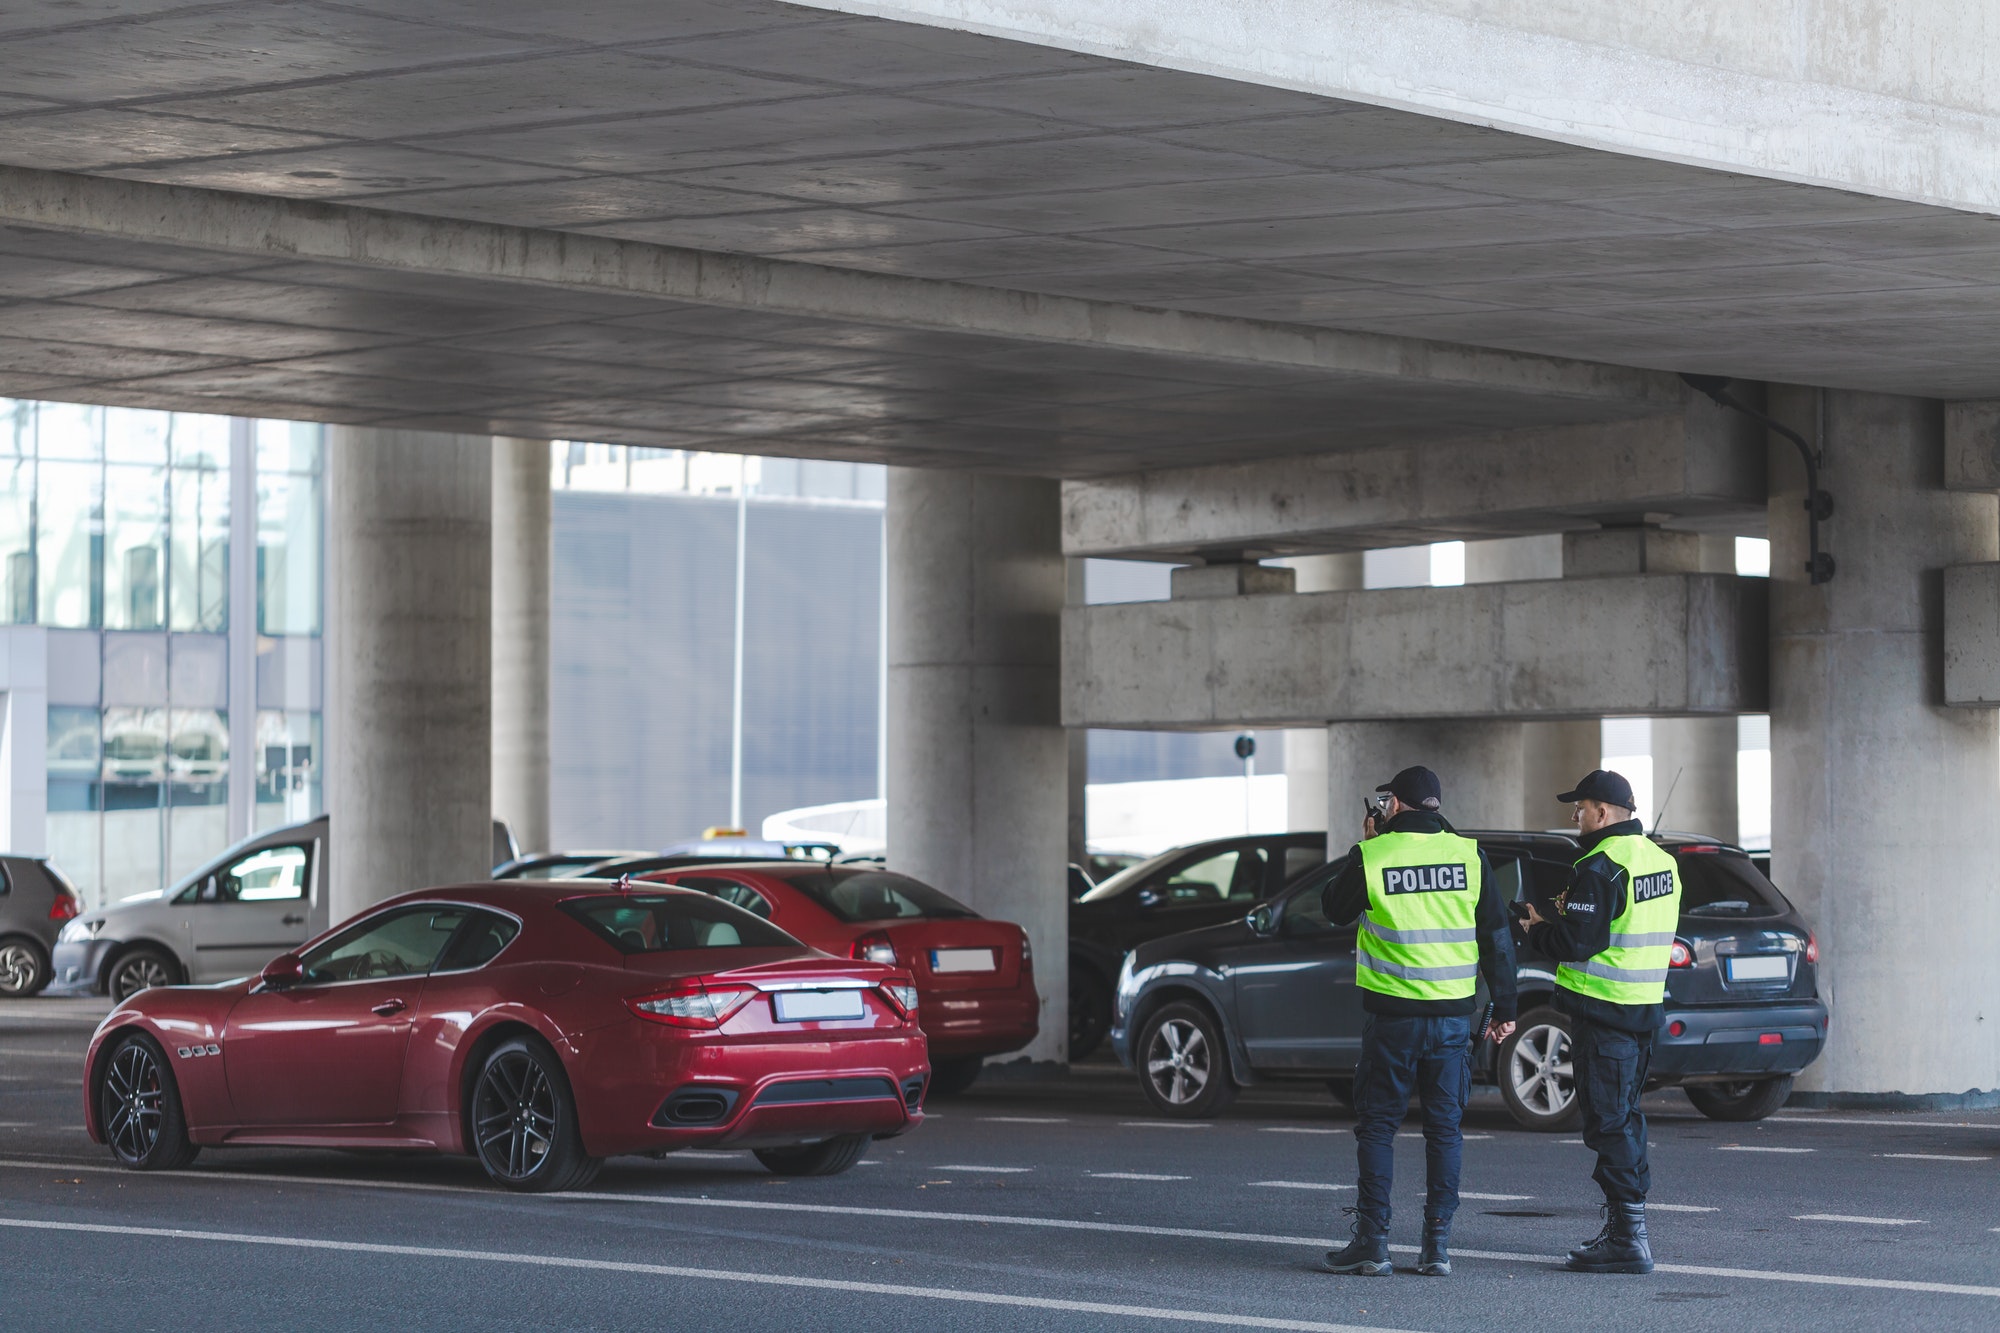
(1763,967)
(963,960)
(799,1006)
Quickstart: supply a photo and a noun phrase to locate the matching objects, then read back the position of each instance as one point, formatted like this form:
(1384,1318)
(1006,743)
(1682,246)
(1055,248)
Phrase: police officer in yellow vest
(1611,932)
(1431,920)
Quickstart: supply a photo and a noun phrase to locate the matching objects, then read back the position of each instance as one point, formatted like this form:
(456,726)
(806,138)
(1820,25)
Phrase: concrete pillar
(978,763)
(1477,763)
(1076,593)
(1305,750)
(522,559)
(1694,775)
(1883,798)
(409,661)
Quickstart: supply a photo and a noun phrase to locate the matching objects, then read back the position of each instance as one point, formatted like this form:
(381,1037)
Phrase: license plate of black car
(801,1006)
(1760,967)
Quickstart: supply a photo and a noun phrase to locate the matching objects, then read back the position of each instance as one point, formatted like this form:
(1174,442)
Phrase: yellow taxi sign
(718,831)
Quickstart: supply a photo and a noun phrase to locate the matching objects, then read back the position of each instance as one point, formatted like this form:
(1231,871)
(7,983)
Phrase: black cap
(1415,787)
(1601,784)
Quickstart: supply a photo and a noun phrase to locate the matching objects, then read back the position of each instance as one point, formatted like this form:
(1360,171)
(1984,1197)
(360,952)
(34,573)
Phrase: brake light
(1681,956)
(902,997)
(1771,1039)
(1812,947)
(692,1005)
(1677,1028)
(874,948)
(64,907)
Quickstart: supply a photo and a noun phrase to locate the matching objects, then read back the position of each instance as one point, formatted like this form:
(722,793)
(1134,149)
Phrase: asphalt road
(1059,1204)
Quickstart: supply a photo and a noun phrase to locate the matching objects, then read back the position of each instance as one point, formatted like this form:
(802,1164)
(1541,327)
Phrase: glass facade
(117,528)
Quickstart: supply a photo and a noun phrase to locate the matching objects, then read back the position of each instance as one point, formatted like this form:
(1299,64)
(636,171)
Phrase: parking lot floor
(1030,1203)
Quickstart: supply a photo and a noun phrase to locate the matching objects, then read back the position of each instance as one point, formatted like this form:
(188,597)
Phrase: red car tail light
(1771,1039)
(1681,956)
(692,1005)
(64,907)
(902,996)
(874,947)
(1812,947)
(1677,1028)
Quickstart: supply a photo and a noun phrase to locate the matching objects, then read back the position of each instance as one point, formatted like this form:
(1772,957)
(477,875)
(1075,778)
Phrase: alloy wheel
(134,1097)
(1540,1069)
(514,1118)
(137,974)
(1177,1061)
(18,969)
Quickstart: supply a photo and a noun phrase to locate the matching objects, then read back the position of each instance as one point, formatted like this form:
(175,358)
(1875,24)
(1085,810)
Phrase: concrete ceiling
(869,145)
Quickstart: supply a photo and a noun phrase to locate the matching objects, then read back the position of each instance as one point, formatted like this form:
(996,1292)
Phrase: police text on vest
(1423,879)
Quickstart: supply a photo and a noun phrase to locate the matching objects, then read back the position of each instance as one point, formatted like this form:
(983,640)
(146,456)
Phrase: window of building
(288,768)
(288,527)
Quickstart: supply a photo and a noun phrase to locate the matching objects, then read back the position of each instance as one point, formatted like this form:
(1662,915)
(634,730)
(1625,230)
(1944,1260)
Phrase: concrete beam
(1972,446)
(1972,636)
(288,229)
(1654,645)
(1698,461)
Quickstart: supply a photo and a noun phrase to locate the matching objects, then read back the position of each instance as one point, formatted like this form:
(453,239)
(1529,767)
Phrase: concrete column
(978,763)
(522,558)
(409,655)
(1076,593)
(1305,750)
(1882,797)
(1694,775)
(1477,763)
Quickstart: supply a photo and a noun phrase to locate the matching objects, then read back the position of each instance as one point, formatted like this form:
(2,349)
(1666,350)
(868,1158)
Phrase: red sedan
(538,1026)
(975,978)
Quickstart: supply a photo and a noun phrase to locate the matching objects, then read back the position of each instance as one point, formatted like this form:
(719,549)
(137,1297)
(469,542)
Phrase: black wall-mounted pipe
(1818,504)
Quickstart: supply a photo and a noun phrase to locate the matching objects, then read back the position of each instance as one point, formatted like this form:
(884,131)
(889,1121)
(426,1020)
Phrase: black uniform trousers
(1610,1068)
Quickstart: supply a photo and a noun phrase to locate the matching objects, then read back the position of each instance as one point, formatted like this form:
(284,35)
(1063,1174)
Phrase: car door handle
(388,1007)
(293,920)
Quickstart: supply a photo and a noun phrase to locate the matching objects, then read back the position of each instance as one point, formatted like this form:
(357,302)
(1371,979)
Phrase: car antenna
(625,882)
(1669,797)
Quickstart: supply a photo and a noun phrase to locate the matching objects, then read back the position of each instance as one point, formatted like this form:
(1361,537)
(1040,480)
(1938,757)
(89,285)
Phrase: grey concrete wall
(1305,747)
(1883,797)
(1694,776)
(1478,766)
(1553,756)
(409,643)
(1972,446)
(523,557)
(1650,645)
(978,763)
(1698,461)
(1972,636)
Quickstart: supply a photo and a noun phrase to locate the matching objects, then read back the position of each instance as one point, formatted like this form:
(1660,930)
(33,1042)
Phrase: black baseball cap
(1601,784)
(1415,787)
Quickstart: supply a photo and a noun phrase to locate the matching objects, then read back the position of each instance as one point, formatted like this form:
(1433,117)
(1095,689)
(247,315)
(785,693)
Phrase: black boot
(1621,1247)
(1435,1259)
(1367,1255)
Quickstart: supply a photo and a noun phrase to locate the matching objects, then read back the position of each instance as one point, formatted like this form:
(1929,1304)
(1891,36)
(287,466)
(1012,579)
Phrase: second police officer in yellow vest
(1611,934)
(1431,920)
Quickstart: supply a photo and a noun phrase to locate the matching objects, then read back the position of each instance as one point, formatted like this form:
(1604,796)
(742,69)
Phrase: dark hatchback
(1202,884)
(1271,995)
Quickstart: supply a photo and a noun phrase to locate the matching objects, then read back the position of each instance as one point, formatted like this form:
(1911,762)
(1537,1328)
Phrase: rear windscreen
(878,895)
(1724,884)
(643,923)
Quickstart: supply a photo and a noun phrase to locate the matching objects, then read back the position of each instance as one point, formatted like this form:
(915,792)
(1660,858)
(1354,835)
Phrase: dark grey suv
(35,900)
(1271,995)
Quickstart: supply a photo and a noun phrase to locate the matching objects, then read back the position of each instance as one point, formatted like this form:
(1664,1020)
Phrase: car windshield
(1725,884)
(878,895)
(644,923)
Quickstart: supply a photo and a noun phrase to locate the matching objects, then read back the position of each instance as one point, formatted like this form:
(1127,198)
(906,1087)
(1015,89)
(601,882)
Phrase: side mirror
(1261,919)
(282,973)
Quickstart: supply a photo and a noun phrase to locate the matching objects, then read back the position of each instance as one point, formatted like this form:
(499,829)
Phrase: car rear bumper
(1755,1040)
(76,966)
(979,1022)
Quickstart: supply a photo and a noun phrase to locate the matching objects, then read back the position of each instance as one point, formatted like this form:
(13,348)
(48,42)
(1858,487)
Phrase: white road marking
(1751,1147)
(1988,1125)
(1130,1175)
(1496,1198)
(1861,1221)
(709,1154)
(1296,1185)
(1679,1208)
(1300,1129)
(1012,1219)
(1934,1157)
(1025,1119)
(951,1294)
(1417,1134)
(1577,1141)
(1162,1124)
(988,1170)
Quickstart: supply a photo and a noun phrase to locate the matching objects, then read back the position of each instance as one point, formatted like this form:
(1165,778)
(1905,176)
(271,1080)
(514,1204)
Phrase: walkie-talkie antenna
(1669,797)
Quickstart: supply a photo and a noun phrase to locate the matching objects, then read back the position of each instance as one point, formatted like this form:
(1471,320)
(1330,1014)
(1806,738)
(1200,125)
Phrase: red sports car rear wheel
(524,1120)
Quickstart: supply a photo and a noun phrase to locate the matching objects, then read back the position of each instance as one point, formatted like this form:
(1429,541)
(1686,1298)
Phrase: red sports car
(539,1026)
(975,977)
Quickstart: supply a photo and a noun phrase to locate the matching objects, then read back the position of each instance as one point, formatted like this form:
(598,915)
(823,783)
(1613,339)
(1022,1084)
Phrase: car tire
(951,1077)
(137,970)
(1089,1012)
(1751,1099)
(24,968)
(523,1120)
(828,1157)
(1343,1092)
(139,1107)
(1183,1063)
(1536,1074)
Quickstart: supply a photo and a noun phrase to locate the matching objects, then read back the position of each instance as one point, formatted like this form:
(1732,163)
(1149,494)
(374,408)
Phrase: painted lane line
(985,1170)
(1024,1119)
(1576,1141)
(1006,1219)
(1860,1221)
(1679,1208)
(1299,1129)
(1131,1175)
(1496,1198)
(1469,1138)
(951,1294)
(1988,1125)
(1747,1147)
(1933,1157)
(1296,1185)
(1160,1124)
(707,1154)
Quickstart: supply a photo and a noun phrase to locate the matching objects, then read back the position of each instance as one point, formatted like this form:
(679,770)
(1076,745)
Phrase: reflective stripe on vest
(1418,938)
(1633,968)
